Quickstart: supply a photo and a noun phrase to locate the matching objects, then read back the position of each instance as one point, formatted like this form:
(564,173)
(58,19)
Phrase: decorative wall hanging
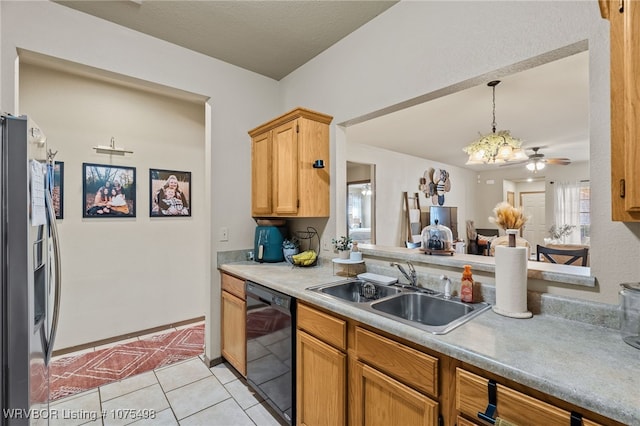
(57,195)
(169,193)
(435,183)
(108,191)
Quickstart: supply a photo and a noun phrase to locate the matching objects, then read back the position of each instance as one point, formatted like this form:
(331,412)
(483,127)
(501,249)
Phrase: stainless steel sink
(423,308)
(429,312)
(358,291)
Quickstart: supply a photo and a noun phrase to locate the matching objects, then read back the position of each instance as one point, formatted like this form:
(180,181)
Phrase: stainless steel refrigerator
(30,273)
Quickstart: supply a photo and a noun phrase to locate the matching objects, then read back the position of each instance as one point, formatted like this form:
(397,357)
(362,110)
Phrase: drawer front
(325,327)
(472,397)
(233,285)
(399,361)
(461,421)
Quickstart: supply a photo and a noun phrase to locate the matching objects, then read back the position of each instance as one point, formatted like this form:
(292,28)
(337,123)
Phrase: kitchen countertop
(586,365)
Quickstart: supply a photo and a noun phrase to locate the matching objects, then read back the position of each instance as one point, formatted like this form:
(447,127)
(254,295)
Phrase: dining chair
(572,255)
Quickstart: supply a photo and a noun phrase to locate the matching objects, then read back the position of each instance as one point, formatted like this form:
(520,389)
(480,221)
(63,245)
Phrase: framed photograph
(108,191)
(169,193)
(58,189)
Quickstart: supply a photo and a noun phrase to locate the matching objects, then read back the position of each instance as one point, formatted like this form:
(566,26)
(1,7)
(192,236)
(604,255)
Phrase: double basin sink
(418,307)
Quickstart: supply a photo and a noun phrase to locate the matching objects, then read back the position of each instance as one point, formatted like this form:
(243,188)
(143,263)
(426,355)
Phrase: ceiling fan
(537,161)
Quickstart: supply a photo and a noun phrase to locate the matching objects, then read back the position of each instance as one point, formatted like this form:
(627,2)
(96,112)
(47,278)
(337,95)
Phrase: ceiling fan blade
(562,161)
(513,163)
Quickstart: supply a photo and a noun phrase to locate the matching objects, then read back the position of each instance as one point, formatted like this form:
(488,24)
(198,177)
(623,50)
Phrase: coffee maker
(268,244)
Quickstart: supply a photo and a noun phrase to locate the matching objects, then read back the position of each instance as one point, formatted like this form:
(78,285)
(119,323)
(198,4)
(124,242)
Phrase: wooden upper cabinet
(285,169)
(284,182)
(261,174)
(624,17)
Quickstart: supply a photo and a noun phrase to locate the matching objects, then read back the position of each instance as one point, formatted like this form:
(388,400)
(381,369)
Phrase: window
(585,212)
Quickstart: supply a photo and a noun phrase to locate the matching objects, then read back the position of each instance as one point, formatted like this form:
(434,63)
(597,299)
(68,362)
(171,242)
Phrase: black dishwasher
(271,348)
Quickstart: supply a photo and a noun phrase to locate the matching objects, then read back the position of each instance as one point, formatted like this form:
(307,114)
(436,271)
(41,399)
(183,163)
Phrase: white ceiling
(546,106)
(272,38)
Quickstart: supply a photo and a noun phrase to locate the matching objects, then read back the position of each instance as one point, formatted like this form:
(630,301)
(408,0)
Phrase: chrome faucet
(412,277)
(447,286)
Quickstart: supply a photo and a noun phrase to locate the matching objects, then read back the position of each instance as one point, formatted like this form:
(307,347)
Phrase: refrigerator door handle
(58,276)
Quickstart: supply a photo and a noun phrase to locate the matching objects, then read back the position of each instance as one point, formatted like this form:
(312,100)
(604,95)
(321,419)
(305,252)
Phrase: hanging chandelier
(497,146)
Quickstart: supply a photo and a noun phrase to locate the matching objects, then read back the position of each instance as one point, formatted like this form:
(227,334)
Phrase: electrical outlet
(326,246)
(224,234)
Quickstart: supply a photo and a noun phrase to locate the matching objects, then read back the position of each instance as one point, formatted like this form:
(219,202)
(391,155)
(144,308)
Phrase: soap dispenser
(466,285)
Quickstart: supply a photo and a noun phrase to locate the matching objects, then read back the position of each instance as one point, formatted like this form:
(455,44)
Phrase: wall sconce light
(318,164)
(112,149)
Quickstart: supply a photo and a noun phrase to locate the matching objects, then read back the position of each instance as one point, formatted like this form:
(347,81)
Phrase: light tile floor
(184,393)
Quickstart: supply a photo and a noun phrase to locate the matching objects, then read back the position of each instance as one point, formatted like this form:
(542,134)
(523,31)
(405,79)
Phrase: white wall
(415,48)
(412,49)
(122,275)
(239,100)
(396,173)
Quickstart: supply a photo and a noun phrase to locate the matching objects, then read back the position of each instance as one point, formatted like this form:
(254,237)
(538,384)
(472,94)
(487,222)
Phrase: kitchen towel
(511,282)
(414,215)
(416,228)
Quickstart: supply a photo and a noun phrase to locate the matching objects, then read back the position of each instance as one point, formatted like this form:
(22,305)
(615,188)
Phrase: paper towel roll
(414,215)
(511,282)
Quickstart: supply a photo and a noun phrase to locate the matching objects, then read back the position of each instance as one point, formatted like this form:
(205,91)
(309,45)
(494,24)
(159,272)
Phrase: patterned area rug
(74,374)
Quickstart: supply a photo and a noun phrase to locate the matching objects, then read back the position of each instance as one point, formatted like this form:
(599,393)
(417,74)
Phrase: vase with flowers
(505,216)
(343,246)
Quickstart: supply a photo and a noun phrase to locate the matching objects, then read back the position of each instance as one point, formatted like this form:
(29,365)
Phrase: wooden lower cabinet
(321,382)
(472,397)
(383,401)
(348,373)
(233,309)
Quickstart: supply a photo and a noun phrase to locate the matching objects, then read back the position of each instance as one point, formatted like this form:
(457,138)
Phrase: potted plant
(342,245)
(559,233)
(290,247)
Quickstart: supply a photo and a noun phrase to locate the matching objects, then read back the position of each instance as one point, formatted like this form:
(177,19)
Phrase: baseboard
(211,362)
(126,336)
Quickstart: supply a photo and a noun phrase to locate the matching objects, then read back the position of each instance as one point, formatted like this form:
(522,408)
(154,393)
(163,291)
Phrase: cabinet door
(631,43)
(261,174)
(321,382)
(625,108)
(381,400)
(285,169)
(234,331)
(313,184)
